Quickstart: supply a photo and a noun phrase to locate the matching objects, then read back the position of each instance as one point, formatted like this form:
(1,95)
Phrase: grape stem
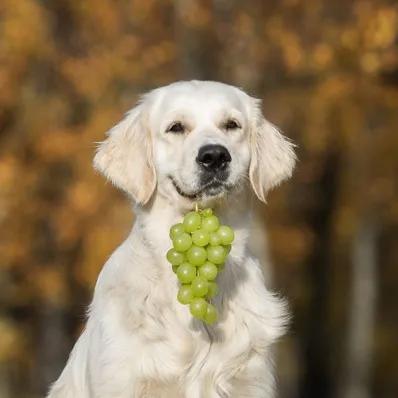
(196,207)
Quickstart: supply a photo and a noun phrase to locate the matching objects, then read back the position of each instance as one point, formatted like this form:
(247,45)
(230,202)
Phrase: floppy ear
(125,157)
(272,155)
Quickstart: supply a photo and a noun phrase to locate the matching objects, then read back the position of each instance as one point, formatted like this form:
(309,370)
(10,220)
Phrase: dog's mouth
(210,189)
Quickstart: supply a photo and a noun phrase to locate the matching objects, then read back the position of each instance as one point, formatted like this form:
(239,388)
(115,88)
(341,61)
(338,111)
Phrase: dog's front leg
(113,368)
(201,388)
(255,380)
(209,386)
(96,368)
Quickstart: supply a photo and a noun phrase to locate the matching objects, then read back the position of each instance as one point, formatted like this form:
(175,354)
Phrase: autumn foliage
(328,74)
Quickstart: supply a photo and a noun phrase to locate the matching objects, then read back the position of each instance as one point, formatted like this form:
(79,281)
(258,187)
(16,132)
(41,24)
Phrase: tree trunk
(356,382)
(316,381)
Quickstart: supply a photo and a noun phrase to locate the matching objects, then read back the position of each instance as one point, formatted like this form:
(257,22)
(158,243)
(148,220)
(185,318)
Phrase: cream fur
(139,341)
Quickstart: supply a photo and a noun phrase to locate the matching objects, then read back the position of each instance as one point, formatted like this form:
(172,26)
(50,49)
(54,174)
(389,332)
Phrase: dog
(188,143)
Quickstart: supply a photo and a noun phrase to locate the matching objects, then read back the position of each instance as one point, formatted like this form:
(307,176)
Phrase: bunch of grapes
(200,247)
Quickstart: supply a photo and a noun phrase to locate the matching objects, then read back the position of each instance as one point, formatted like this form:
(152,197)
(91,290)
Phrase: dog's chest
(185,349)
(174,349)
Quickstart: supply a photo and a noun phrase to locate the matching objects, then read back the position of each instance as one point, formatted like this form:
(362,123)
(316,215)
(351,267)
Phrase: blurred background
(328,74)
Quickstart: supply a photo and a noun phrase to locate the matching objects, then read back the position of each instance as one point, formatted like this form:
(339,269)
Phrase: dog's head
(195,141)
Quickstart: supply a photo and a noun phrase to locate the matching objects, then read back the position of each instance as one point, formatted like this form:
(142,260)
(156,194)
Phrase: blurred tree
(328,74)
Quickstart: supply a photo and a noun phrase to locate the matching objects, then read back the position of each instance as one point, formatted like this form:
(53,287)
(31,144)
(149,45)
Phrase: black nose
(213,157)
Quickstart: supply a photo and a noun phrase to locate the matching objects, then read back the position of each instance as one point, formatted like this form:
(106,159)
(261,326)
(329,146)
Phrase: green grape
(227,234)
(210,223)
(213,290)
(216,254)
(174,257)
(208,270)
(185,294)
(200,286)
(192,221)
(176,230)
(200,237)
(198,307)
(211,314)
(207,212)
(215,239)
(182,242)
(186,273)
(196,255)
(199,241)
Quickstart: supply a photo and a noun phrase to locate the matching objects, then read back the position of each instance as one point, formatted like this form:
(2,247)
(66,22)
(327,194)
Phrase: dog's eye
(176,127)
(231,125)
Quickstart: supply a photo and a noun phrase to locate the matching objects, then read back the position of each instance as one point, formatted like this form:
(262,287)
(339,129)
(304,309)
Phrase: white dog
(189,142)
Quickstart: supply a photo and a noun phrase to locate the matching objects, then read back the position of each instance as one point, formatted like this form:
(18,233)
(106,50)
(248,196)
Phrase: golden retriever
(189,142)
